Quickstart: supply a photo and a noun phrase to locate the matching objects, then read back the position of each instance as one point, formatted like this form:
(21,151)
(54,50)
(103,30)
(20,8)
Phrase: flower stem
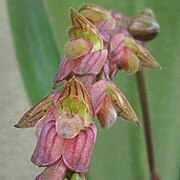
(147,123)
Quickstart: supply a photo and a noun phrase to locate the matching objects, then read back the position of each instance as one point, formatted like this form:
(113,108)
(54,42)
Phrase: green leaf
(37,53)
(120,152)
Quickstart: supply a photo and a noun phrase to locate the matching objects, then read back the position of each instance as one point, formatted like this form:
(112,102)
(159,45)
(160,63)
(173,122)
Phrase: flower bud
(144,27)
(93,13)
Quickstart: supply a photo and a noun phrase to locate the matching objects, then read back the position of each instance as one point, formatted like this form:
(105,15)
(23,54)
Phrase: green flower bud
(144,27)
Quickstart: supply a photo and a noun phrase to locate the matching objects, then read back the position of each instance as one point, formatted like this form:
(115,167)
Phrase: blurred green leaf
(120,152)
(37,53)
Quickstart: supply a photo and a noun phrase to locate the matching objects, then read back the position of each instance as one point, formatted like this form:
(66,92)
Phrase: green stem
(147,123)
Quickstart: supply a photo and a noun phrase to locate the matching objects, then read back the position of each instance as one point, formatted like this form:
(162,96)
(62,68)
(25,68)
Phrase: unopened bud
(144,27)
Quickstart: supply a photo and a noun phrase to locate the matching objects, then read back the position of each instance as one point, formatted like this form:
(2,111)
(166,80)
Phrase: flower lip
(68,126)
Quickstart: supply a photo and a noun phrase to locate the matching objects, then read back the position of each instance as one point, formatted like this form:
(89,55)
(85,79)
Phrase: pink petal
(87,80)
(92,63)
(117,43)
(98,93)
(106,25)
(107,114)
(77,151)
(64,70)
(56,172)
(49,146)
(55,98)
(49,116)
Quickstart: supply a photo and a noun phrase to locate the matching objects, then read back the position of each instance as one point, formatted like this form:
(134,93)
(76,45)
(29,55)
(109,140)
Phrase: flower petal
(68,126)
(49,146)
(98,93)
(64,70)
(32,116)
(129,61)
(49,116)
(106,25)
(55,98)
(76,48)
(92,63)
(87,80)
(57,171)
(144,56)
(77,151)
(107,115)
(121,104)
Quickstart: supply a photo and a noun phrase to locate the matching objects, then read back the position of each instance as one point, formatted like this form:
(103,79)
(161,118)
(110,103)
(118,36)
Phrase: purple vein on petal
(94,60)
(98,92)
(82,149)
(49,146)
(77,151)
(76,89)
(117,49)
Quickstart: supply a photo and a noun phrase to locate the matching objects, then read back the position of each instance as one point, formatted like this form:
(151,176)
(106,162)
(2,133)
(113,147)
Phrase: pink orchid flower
(65,131)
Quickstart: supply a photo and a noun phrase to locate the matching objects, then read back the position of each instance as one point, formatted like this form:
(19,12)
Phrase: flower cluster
(100,42)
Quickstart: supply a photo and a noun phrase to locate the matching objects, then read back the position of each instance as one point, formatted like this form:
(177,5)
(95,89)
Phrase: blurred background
(32,36)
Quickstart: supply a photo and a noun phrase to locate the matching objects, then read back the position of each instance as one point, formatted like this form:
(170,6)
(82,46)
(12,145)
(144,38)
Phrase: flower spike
(100,42)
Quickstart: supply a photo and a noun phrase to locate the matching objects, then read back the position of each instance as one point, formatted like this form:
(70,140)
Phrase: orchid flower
(65,131)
